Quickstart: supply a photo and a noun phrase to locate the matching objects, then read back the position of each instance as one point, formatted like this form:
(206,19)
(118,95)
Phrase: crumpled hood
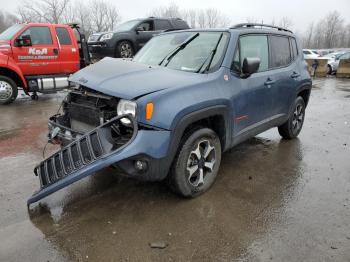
(128,79)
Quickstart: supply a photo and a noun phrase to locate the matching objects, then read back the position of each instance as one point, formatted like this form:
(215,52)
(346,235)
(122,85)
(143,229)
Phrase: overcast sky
(302,12)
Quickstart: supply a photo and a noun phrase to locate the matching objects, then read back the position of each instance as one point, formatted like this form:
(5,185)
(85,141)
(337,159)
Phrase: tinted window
(147,26)
(162,25)
(255,46)
(180,24)
(63,36)
(40,35)
(280,51)
(306,52)
(293,43)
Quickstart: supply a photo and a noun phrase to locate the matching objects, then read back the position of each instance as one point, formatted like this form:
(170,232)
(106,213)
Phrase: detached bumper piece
(70,163)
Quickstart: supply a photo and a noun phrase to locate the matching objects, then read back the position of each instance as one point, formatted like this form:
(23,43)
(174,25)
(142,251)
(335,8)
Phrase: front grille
(98,143)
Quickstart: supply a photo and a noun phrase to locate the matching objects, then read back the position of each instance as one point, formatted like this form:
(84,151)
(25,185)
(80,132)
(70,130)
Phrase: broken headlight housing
(126,107)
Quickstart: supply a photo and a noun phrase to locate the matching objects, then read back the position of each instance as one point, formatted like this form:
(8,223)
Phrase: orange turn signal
(149,111)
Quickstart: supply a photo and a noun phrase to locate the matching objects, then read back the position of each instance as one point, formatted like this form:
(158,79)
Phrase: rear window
(293,43)
(280,51)
(163,25)
(180,24)
(63,36)
(306,52)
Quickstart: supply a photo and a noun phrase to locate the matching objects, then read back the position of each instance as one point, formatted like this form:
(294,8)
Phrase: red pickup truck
(39,58)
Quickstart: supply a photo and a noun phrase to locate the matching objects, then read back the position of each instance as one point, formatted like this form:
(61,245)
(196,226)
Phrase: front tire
(124,50)
(197,163)
(8,90)
(294,124)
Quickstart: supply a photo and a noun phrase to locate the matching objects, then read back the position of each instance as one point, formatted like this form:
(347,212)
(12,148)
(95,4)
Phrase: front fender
(8,63)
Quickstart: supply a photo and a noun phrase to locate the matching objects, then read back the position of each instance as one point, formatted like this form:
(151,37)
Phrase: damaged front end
(77,160)
(96,132)
(89,130)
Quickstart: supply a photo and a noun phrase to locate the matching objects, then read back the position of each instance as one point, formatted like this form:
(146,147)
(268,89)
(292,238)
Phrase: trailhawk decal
(37,54)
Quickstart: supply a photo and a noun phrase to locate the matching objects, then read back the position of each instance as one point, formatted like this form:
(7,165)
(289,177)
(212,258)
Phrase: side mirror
(139,29)
(24,40)
(250,66)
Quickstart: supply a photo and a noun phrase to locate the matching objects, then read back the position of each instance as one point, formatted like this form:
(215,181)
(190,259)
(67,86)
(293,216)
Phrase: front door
(253,96)
(40,58)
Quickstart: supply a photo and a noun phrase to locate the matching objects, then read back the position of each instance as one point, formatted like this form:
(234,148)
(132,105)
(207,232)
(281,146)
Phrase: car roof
(237,31)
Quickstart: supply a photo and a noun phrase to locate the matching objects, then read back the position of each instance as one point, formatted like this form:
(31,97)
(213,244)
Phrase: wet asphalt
(274,200)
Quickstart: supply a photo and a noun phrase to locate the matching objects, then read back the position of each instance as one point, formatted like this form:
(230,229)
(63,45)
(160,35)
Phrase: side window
(293,43)
(280,51)
(147,26)
(255,46)
(163,24)
(63,36)
(40,35)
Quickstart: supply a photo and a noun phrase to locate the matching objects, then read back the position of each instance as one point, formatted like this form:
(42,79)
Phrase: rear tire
(124,50)
(292,127)
(196,164)
(8,90)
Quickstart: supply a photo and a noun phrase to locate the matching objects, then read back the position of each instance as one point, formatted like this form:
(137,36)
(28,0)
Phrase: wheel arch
(15,76)
(214,117)
(304,91)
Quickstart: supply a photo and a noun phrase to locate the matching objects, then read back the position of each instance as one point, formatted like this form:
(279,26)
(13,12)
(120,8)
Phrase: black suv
(130,36)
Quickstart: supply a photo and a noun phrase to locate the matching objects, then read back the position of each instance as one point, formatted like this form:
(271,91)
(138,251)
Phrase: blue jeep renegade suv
(170,113)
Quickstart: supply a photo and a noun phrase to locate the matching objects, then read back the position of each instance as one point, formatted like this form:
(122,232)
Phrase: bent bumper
(95,151)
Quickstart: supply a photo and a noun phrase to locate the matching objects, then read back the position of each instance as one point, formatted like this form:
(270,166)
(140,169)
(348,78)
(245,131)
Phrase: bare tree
(51,11)
(286,22)
(104,16)
(170,11)
(333,25)
(307,40)
(6,20)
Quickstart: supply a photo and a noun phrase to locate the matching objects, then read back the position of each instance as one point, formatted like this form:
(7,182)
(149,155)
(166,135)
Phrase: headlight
(126,107)
(106,36)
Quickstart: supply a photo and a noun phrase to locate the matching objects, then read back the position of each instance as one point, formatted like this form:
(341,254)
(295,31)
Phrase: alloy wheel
(125,50)
(298,118)
(200,163)
(5,90)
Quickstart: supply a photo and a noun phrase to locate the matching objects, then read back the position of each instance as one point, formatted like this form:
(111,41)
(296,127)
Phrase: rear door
(148,32)
(42,57)
(68,51)
(285,73)
(252,100)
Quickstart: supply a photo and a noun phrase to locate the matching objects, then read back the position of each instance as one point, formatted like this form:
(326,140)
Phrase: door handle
(295,75)
(269,82)
(55,51)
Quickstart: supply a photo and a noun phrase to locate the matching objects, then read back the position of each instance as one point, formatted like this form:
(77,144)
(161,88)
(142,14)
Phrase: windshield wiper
(211,56)
(170,56)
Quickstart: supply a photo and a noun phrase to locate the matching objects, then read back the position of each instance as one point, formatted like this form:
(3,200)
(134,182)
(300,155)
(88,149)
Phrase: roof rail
(255,25)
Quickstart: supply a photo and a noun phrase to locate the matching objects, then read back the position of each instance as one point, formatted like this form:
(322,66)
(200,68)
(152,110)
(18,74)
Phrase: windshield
(127,26)
(195,54)
(10,32)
